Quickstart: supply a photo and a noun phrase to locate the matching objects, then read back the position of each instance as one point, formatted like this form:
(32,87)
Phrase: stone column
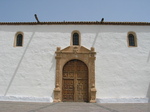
(57,89)
(93,89)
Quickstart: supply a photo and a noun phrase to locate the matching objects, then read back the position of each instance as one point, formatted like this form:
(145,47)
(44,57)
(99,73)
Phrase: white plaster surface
(28,73)
(25,99)
(123,100)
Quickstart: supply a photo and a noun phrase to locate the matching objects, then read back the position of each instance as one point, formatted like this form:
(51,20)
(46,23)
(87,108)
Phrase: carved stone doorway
(87,58)
(75,82)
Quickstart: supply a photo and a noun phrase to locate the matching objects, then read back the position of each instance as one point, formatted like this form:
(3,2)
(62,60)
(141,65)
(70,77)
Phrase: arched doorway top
(73,60)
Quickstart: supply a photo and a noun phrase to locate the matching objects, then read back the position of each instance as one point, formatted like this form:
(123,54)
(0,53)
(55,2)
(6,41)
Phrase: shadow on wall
(95,40)
(148,93)
(53,61)
(148,57)
(17,68)
(52,95)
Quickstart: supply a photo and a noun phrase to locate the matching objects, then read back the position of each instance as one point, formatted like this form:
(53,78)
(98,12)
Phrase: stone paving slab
(73,107)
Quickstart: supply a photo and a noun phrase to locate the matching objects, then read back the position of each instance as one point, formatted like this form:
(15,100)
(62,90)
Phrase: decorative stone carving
(57,94)
(93,94)
(75,49)
(75,52)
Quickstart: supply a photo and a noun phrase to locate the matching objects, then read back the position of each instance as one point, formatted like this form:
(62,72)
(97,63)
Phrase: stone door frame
(80,53)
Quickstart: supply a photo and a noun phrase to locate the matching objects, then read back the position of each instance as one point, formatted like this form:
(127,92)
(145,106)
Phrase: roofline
(75,23)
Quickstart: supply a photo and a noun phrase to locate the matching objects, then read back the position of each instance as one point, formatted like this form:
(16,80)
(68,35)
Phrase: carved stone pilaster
(57,90)
(92,66)
(57,94)
(93,94)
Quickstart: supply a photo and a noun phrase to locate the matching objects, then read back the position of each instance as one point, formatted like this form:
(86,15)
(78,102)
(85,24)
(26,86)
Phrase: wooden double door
(75,82)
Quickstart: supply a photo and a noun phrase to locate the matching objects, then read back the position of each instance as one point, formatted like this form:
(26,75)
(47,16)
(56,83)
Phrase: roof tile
(75,23)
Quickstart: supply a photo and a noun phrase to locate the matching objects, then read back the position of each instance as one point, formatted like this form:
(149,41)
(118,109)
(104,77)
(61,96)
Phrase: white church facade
(103,62)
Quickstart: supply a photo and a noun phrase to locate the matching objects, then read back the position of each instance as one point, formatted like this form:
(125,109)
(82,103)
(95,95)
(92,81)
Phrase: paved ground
(72,107)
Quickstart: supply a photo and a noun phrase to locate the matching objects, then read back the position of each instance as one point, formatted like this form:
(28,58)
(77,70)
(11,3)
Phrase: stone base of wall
(50,99)
(123,100)
(26,99)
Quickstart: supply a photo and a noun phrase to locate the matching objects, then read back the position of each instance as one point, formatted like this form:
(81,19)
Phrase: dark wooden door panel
(75,81)
(82,90)
(68,90)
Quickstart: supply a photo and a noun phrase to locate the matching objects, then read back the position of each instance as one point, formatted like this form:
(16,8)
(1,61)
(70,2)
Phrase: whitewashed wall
(28,73)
